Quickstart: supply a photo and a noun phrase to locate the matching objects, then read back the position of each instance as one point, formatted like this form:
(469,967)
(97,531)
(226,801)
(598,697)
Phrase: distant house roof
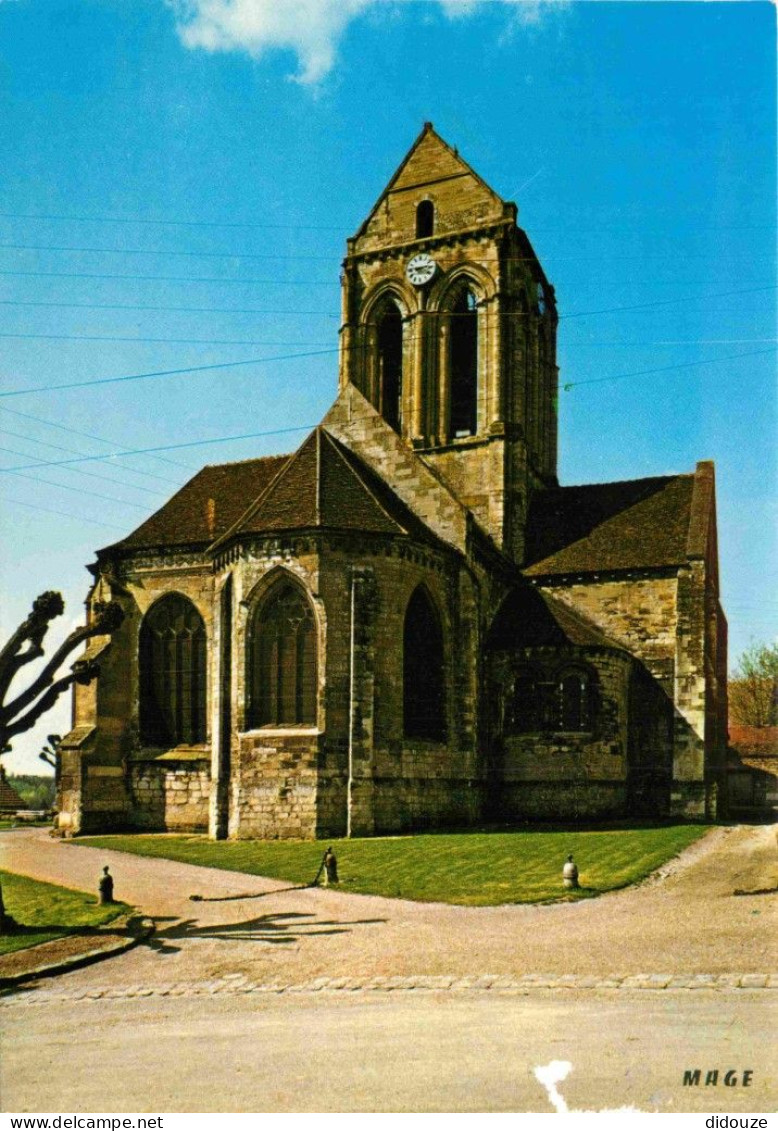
(10,800)
(637,524)
(750,742)
(205,507)
(531,618)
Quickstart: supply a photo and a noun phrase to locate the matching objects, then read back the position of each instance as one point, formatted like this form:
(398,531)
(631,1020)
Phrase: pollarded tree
(753,687)
(24,709)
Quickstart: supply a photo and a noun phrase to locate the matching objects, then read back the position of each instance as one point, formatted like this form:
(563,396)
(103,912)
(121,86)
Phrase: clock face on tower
(421,269)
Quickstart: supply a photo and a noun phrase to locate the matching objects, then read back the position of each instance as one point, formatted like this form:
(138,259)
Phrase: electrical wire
(77,452)
(80,471)
(163,373)
(89,436)
(61,514)
(172,447)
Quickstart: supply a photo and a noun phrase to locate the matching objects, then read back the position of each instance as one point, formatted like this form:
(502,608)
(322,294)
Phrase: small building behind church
(408,623)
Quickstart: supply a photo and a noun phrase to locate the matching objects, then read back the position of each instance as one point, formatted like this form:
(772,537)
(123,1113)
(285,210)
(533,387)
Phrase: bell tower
(449,329)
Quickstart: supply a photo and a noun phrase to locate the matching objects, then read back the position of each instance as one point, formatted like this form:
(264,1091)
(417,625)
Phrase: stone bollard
(330,867)
(570,873)
(106,886)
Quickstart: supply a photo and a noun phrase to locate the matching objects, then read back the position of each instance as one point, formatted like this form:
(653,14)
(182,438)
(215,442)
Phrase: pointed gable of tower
(433,176)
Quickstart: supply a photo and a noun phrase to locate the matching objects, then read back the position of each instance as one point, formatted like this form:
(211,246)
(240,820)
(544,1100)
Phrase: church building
(408,623)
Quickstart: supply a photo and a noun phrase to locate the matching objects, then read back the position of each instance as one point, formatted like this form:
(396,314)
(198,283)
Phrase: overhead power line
(175,278)
(61,514)
(85,435)
(173,223)
(156,307)
(172,447)
(76,452)
(67,487)
(307,257)
(318,353)
(157,341)
(80,471)
(251,436)
(664,369)
(179,222)
(147,251)
(164,373)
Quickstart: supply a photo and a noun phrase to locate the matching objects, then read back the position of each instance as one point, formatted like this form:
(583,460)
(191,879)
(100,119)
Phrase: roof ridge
(249,459)
(619,482)
(253,507)
(427,130)
(340,451)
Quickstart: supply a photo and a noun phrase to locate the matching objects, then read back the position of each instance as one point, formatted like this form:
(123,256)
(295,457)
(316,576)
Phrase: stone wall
(638,612)
(170,796)
(274,786)
(566,774)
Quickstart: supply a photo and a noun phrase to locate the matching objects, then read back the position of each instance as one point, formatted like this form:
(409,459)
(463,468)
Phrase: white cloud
(312,29)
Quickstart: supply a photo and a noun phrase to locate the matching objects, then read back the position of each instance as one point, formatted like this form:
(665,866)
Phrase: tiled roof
(205,507)
(637,524)
(326,485)
(10,800)
(530,618)
(751,741)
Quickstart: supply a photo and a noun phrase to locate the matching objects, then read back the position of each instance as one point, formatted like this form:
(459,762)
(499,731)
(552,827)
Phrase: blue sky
(179,180)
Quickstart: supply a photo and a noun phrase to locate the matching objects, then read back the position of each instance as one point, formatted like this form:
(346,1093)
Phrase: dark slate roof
(205,507)
(531,618)
(637,524)
(326,485)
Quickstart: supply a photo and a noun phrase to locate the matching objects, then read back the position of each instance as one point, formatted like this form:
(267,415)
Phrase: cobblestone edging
(232,984)
(136,934)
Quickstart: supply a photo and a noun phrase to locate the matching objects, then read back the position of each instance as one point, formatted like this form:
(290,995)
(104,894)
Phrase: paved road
(170,1026)
(388,1052)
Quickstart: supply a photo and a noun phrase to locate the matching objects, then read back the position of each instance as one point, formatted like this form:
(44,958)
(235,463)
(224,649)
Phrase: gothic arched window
(424,697)
(574,700)
(172,674)
(282,674)
(464,365)
(390,363)
(425,219)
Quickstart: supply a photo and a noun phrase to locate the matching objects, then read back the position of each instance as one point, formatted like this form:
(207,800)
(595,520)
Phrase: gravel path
(684,920)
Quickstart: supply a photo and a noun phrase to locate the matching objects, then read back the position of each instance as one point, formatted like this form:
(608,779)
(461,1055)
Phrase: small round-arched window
(425,219)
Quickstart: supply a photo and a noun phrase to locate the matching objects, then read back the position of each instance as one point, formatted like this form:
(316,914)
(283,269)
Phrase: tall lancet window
(390,364)
(282,668)
(424,699)
(172,673)
(464,365)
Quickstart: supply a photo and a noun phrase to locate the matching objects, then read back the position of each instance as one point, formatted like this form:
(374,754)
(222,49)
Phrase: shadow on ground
(277,929)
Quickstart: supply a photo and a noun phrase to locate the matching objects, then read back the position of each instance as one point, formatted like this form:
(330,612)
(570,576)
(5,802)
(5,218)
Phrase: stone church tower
(408,623)
(449,330)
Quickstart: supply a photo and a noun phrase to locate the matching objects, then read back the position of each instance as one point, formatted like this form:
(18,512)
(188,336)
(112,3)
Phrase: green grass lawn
(46,911)
(473,868)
